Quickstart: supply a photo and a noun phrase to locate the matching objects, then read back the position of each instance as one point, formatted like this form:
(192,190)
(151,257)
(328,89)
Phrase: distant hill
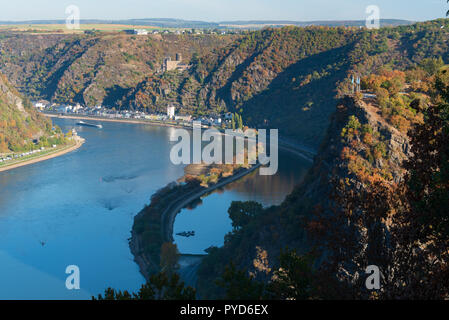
(179,23)
(328,23)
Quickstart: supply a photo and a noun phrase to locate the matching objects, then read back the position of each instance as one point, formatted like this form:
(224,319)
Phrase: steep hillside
(288,78)
(360,167)
(280,78)
(19,122)
(92,69)
(270,77)
(360,147)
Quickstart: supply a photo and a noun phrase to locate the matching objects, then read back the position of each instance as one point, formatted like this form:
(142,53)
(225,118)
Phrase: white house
(77,108)
(141,32)
(40,106)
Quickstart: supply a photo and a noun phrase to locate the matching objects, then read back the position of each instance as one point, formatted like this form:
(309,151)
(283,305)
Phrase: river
(78,209)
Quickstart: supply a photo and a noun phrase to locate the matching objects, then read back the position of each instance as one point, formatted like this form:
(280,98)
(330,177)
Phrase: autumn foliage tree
(401,228)
(169,257)
(421,228)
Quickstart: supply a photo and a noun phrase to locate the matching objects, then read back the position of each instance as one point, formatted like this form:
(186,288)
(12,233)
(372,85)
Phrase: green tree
(432,65)
(442,83)
(237,120)
(161,286)
(241,213)
(239,285)
(295,279)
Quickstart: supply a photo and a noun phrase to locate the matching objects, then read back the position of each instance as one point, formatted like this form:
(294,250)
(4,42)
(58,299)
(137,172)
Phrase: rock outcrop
(286,225)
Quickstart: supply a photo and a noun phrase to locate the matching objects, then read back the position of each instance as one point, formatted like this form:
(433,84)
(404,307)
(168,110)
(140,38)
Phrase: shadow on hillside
(73,52)
(114,94)
(301,112)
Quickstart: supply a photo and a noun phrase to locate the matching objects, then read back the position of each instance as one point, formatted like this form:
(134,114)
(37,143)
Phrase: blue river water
(209,219)
(78,209)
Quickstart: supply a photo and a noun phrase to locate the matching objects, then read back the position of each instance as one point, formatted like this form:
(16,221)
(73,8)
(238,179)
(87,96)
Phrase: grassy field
(61,28)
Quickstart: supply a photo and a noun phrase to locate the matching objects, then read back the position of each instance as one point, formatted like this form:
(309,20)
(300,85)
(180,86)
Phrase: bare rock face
(330,165)
(396,143)
(10,96)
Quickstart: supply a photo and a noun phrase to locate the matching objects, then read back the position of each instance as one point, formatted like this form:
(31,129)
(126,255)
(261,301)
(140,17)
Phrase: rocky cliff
(348,153)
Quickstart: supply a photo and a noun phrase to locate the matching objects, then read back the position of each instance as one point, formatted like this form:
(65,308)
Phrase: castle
(177,64)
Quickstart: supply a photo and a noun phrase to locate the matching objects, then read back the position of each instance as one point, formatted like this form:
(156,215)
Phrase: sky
(223,10)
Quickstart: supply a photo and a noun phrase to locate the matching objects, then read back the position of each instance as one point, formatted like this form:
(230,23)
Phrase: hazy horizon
(219,10)
(206,21)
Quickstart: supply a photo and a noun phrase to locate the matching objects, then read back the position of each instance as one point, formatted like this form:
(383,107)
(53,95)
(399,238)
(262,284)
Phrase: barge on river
(85,124)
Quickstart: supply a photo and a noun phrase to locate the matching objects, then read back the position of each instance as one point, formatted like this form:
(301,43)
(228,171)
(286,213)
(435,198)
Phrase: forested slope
(19,122)
(361,196)
(287,78)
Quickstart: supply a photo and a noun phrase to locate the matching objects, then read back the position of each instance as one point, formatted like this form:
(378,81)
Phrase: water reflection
(209,218)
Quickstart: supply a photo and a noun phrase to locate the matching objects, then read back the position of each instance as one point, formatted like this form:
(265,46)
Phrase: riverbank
(284,144)
(169,215)
(56,153)
(153,226)
(131,121)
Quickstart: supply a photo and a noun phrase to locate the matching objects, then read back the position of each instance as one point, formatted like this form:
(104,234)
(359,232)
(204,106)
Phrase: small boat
(85,124)
(186,234)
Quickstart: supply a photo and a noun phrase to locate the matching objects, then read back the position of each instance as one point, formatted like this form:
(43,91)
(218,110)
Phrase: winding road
(169,215)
